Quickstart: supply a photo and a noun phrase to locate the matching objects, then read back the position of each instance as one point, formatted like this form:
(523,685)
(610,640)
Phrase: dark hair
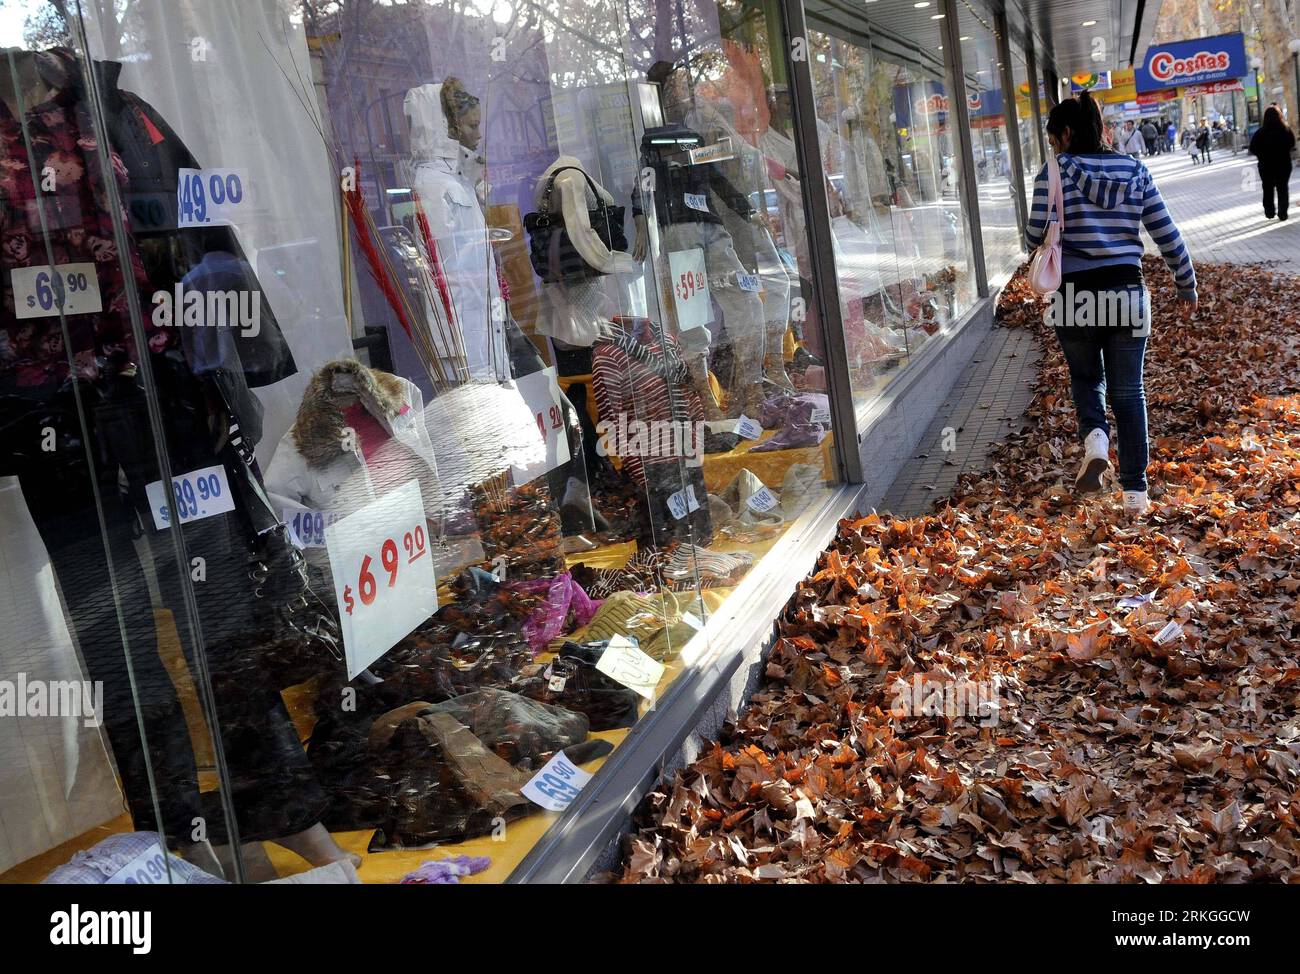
(1273,118)
(1083,118)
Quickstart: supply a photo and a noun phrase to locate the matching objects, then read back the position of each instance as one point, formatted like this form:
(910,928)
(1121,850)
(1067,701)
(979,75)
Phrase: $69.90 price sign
(40,292)
(383,574)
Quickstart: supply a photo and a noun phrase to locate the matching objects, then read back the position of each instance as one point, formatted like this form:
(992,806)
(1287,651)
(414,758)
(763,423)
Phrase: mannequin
(319,467)
(447,174)
(686,227)
(81,372)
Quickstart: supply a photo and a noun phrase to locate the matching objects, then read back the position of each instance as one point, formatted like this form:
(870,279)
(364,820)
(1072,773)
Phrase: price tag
(208,196)
(762,500)
(749,282)
(822,416)
(748,428)
(692,620)
(683,502)
(197,494)
(383,574)
(624,662)
(541,392)
(690,288)
(697,201)
(40,292)
(1168,634)
(149,868)
(556,785)
(307,527)
(717,152)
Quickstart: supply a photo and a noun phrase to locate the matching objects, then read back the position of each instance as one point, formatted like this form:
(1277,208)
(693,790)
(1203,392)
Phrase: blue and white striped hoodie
(1108,196)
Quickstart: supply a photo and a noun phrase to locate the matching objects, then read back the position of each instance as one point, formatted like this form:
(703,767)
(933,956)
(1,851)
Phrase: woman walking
(1272,146)
(1101,313)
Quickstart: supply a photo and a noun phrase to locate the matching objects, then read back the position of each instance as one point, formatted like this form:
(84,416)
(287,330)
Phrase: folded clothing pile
(654,620)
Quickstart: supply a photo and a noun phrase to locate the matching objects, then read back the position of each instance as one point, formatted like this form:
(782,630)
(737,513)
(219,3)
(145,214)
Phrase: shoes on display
(793,437)
(1096,461)
(749,502)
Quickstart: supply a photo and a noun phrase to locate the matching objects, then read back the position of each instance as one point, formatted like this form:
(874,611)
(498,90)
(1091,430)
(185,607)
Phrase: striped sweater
(1108,197)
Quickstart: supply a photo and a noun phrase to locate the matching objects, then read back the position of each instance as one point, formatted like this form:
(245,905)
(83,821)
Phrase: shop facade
(415,415)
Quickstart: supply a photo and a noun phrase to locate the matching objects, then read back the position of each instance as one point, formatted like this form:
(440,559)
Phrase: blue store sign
(1206,59)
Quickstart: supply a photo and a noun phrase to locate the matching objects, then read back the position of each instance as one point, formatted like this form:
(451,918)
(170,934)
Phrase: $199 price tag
(383,574)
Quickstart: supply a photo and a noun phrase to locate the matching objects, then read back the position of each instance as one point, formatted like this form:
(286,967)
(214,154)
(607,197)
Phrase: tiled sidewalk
(984,406)
(1217,208)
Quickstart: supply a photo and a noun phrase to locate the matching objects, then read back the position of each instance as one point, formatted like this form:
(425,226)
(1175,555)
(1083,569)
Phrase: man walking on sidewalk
(1149,136)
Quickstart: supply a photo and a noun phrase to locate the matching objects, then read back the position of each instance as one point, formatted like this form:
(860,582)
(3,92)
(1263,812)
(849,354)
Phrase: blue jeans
(1109,360)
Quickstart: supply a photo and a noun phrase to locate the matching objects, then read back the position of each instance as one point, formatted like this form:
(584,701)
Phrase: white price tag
(383,574)
(748,428)
(307,527)
(683,502)
(208,196)
(1168,634)
(40,292)
(749,282)
(822,416)
(692,620)
(541,392)
(697,201)
(762,500)
(624,662)
(556,785)
(690,285)
(149,868)
(717,152)
(197,494)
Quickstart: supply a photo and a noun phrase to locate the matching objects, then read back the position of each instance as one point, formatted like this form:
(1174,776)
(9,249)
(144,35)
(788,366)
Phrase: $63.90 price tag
(43,291)
(383,574)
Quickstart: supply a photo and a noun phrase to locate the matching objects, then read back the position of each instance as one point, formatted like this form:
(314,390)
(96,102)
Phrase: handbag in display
(572,681)
(554,257)
(1045,268)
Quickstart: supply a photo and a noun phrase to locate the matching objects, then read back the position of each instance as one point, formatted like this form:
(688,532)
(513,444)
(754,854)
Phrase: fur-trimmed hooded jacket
(317,466)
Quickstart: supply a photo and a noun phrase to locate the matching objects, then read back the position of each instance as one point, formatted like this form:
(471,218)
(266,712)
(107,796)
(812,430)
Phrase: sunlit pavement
(1218,208)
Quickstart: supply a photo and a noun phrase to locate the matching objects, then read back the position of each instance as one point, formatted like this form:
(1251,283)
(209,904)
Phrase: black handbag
(554,257)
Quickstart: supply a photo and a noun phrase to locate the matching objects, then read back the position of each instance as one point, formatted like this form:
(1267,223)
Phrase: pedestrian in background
(1130,141)
(1149,137)
(1171,133)
(1203,140)
(1272,146)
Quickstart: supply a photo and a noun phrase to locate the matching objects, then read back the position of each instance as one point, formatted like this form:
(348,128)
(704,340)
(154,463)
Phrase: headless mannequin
(684,230)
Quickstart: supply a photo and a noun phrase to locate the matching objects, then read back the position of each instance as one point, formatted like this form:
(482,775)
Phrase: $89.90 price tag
(40,292)
(383,574)
(194,496)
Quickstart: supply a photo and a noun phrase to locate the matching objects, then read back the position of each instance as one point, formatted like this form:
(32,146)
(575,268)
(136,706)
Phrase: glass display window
(427,376)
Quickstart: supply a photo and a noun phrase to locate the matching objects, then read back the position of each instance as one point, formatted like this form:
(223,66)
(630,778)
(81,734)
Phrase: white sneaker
(1136,503)
(1096,461)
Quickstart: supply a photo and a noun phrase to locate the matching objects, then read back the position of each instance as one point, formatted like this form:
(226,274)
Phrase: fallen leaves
(1146,677)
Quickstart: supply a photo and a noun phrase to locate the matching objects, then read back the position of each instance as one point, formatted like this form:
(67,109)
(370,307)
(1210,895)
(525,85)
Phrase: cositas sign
(1200,61)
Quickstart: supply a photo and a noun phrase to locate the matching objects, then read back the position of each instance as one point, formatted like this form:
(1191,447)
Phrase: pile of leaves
(1025,687)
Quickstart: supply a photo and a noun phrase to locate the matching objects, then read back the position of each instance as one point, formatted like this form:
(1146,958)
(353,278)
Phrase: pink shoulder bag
(1045,267)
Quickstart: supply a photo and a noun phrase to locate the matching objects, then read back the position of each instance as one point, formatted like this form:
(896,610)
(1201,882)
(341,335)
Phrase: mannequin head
(463,114)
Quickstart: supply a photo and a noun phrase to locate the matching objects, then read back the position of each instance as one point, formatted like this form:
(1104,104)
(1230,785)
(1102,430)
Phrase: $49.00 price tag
(383,574)
(690,283)
(208,196)
(556,785)
(749,282)
(541,393)
(43,291)
(196,495)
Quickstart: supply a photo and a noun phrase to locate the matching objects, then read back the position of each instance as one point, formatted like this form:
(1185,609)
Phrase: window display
(419,380)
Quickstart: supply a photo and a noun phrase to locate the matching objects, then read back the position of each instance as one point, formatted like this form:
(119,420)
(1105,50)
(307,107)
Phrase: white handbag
(1045,267)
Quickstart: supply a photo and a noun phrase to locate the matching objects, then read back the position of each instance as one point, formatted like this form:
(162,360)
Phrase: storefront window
(421,379)
(1030,155)
(901,255)
(995,186)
